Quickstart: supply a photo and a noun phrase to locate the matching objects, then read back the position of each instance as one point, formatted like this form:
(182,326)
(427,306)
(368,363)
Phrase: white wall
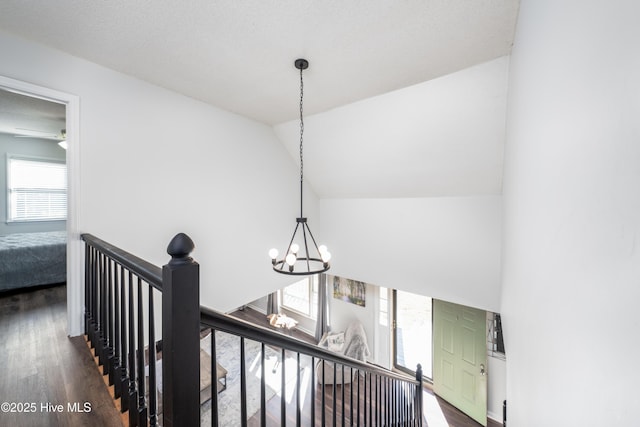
(572,215)
(155,163)
(496,387)
(445,248)
(442,137)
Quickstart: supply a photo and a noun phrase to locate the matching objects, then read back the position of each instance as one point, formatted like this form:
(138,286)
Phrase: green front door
(460,358)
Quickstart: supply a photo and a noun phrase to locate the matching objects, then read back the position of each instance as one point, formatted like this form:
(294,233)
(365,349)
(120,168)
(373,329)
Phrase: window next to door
(495,341)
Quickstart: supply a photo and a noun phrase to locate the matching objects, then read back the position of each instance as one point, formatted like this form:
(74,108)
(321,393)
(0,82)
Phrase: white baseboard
(495,417)
(258,309)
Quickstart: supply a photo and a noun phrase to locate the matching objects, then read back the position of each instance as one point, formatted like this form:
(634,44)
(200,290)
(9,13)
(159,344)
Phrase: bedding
(32,259)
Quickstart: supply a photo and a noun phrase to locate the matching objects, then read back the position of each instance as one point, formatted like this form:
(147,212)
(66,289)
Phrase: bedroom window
(302,297)
(36,190)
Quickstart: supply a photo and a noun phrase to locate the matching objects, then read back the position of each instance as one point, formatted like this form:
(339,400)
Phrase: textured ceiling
(402,98)
(239,55)
(31,117)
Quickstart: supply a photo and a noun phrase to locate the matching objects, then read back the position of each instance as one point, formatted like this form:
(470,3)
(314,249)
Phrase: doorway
(412,333)
(460,357)
(75,248)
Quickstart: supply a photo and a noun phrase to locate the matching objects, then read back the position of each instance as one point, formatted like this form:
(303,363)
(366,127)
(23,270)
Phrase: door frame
(75,252)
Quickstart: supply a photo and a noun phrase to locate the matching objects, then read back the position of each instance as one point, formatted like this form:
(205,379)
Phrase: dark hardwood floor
(40,365)
(438,412)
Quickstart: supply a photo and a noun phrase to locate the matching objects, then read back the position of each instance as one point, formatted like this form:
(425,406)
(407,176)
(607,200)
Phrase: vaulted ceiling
(238,55)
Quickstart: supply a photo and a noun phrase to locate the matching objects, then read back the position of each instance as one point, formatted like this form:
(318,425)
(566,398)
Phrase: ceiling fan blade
(32,133)
(51,137)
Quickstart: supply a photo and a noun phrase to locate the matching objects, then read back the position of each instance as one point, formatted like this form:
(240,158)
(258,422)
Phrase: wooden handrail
(225,323)
(148,272)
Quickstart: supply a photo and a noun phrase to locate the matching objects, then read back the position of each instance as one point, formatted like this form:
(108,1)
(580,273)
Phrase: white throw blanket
(356,342)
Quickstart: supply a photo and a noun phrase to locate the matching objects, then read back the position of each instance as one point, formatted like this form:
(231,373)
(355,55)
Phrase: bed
(32,259)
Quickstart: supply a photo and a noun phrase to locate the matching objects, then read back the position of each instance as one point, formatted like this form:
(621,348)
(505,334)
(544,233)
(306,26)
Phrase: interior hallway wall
(572,215)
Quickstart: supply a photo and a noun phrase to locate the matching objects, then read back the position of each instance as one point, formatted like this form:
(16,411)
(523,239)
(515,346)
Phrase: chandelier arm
(306,246)
(313,240)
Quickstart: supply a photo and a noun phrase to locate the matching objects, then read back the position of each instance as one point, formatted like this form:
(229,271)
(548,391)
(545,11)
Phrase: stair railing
(121,295)
(375,396)
(121,292)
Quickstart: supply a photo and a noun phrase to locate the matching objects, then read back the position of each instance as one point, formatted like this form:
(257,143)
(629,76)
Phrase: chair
(351,343)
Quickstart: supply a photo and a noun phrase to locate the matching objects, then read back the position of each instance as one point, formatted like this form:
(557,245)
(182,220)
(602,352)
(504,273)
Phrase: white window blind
(37,190)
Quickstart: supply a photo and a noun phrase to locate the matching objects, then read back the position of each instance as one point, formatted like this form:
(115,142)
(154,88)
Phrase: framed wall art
(349,290)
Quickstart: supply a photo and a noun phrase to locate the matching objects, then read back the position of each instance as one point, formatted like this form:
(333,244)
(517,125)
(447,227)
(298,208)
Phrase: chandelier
(302,256)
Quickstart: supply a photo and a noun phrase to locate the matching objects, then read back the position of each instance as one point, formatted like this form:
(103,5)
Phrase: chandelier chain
(301,125)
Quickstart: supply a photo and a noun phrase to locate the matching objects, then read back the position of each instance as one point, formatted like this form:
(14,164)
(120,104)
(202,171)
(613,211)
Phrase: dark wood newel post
(181,335)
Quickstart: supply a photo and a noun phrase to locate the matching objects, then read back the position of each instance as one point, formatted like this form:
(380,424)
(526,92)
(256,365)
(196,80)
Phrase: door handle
(482,372)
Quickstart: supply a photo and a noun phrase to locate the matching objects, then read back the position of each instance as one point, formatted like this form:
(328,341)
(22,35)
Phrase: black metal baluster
(393,402)
(407,395)
(413,406)
(364,402)
(370,400)
(405,402)
(377,390)
(87,287)
(298,392)
(142,409)
(324,409)
(283,403)
(153,406)
(243,385)
(263,393)
(88,291)
(405,406)
(124,398)
(351,398)
(409,409)
(90,286)
(396,406)
(385,387)
(342,388)
(110,338)
(117,385)
(98,298)
(334,393)
(100,347)
(133,396)
(409,401)
(105,317)
(214,368)
(95,320)
(312,384)
(358,411)
(400,402)
(419,402)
